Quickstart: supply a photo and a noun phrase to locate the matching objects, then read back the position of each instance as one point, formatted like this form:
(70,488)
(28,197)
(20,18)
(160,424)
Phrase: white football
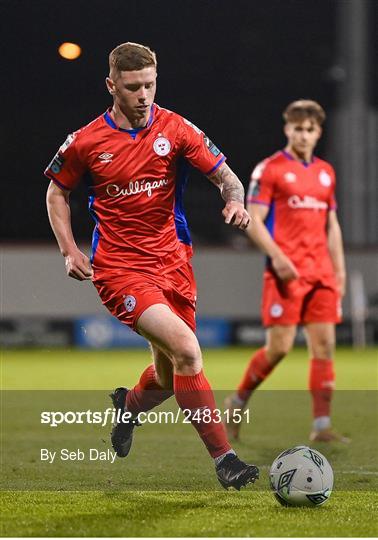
(301,476)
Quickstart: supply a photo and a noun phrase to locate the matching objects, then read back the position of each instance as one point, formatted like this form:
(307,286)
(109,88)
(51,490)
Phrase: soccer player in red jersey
(138,154)
(291,200)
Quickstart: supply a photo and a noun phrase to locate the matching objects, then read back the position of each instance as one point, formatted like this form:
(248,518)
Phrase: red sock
(147,394)
(193,392)
(257,370)
(321,385)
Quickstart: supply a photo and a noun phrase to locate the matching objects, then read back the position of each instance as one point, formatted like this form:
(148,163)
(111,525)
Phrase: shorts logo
(324,178)
(162,146)
(276,310)
(130,303)
(290,177)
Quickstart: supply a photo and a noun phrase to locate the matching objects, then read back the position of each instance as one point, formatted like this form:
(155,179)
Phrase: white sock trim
(238,401)
(218,459)
(321,422)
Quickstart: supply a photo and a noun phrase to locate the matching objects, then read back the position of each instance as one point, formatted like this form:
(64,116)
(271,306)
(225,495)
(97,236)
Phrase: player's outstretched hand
(78,266)
(284,268)
(234,213)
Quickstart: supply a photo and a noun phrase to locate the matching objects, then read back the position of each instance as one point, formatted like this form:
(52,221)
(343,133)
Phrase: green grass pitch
(167,486)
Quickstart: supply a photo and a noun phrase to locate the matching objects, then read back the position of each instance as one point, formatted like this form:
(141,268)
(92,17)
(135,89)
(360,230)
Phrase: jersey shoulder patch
(258,170)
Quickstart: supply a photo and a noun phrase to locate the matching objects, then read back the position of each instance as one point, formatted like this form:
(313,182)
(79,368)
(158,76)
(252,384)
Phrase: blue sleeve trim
(182,229)
(218,164)
(96,232)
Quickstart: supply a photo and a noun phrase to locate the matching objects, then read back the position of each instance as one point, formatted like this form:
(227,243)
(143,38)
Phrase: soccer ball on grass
(301,476)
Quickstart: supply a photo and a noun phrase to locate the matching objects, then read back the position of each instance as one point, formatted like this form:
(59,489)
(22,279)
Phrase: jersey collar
(109,120)
(292,158)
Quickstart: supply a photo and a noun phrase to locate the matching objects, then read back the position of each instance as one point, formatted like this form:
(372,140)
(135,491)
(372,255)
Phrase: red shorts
(300,301)
(129,294)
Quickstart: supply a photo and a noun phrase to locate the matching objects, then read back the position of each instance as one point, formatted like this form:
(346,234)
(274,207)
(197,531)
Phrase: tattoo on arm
(228,183)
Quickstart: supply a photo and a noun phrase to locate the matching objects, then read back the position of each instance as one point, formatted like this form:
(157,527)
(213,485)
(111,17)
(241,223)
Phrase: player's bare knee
(187,357)
(279,343)
(324,349)
(278,350)
(276,355)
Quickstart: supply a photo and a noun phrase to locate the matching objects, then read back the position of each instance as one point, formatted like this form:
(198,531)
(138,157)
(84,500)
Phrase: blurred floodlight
(69,51)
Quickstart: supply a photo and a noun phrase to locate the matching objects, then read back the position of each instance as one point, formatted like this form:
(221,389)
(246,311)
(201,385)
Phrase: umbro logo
(105,157)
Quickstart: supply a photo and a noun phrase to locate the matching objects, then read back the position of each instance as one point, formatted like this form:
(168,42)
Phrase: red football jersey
(136,192)
(299,196)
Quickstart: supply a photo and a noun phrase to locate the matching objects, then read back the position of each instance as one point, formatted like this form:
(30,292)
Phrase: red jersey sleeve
(67,167)
(261,186)
(332,203)
(198,149)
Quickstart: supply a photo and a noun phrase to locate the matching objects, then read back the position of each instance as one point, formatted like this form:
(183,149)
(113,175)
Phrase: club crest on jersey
(276,310)
(130,303)
(162,146)
(290,177)
(324,178)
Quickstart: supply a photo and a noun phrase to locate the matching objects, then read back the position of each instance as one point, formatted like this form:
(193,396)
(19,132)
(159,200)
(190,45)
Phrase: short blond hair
(130,57)
(304,109)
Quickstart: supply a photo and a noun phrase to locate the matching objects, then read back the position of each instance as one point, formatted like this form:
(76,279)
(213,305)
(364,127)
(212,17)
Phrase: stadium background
(231,68)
